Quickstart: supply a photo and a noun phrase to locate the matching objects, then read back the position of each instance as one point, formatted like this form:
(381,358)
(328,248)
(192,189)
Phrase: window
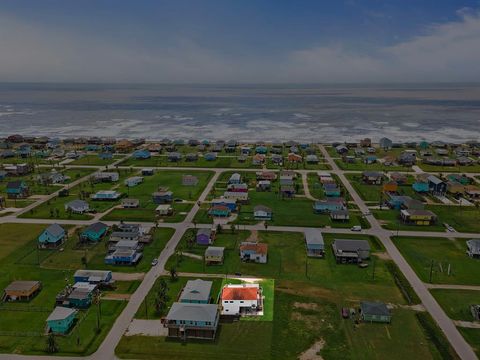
(241,301)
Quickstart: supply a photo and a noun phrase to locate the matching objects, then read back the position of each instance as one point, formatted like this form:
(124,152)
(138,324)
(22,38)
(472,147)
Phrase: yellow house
(418,217)
(214,255)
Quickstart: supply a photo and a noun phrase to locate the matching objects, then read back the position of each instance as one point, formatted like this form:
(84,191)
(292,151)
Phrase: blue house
(314,242)
(105,155)
(331,190)
(17,189)
(196,292)
(24,151)
(211,156)
(436,186)
(141,154)
(162,197)
(100,277)
(61,320)
(106,195)
(192,321)
(124,252)
(261,150)
(324,206)
(396,202)
(421,187)
(92,147)
(229,203)
(52,236)
(94,232)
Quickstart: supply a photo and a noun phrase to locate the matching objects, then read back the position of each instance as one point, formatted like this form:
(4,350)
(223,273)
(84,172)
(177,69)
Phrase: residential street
(124,321)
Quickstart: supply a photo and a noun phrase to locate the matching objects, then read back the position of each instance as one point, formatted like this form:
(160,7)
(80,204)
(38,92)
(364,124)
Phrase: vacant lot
(456,303)
(22,324)
(435,255)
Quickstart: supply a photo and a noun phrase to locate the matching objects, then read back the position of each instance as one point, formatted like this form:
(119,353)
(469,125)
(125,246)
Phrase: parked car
(356,228)
(345,313)
(449,228)
(154,262)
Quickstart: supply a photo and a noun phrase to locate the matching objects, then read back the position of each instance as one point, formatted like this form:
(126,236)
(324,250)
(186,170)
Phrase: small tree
(52,346)
(173,273)
(232,228)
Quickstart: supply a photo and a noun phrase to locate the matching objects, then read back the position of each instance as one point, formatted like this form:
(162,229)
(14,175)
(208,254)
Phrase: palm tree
(52,346)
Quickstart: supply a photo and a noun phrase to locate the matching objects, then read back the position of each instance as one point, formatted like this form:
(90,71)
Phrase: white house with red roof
(241,299)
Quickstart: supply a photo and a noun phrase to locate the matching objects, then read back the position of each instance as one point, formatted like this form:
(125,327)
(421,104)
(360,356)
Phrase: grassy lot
(22,324)
(220,162)
(449,169)
(420,252)
(315,187)
(55,208)
(308,296)
(71,256)
(34,186)
(287,261)
(456,303)
(291,212)
(473,338)
(360,166)
(163,178)
(77,173)
(95,160)
(390,219)
(461,218)
(148,215)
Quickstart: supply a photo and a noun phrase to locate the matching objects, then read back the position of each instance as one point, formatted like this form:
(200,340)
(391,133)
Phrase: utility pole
(431,272)
(373,269)
(146,310)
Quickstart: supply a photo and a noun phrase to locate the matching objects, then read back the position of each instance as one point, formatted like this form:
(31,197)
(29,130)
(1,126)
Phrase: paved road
(106,350)
(462,348)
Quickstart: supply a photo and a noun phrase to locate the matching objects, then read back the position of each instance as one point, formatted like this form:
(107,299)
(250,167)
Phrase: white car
(356,228)
(154,262)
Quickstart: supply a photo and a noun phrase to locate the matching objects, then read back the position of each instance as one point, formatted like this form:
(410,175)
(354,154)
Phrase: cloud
(40,52)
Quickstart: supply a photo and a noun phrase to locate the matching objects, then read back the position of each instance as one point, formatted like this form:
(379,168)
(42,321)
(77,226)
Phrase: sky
(239,41)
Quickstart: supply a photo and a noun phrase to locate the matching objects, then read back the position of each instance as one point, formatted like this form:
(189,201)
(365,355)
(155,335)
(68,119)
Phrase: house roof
(262,208)
(374,308)
(61,313)
(259,248)
(372,174)
(474,245)
(22,285)
(313,236)
(55,230)
(193,312)
(239,293)
(350,245)
(77,204)
(418,212)
(100,274)
(96,227)
(214,251)
(434,179)
(204,231)
(196,290)
(15,184)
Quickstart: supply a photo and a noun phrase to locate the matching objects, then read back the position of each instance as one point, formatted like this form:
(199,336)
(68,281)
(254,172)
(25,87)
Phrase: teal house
(61,320)
(420,187)
(17,189)
(375,312)
(52,236)
(94,232)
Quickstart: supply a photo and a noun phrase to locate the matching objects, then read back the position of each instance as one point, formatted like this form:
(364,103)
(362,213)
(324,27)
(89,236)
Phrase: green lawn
(220,162)
(148,215)
(47,210)
(461,218)
(449,169)
(456,303)
(163,178)
(95,160)
(22,324)
(303,314)
(421,252)
(71,256)
(390,219)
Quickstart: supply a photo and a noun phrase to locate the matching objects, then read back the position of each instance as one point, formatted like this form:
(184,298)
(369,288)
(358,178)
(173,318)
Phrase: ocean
(321,113)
